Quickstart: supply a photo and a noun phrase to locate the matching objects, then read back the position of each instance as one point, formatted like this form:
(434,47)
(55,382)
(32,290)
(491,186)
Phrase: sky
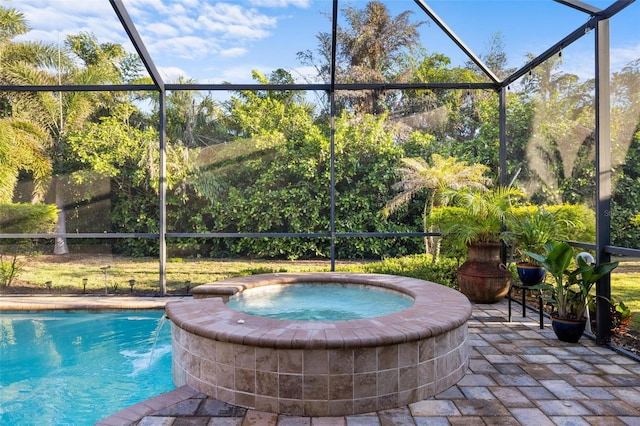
(212,41)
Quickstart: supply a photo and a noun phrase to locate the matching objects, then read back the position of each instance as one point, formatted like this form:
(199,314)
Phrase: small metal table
(524,290)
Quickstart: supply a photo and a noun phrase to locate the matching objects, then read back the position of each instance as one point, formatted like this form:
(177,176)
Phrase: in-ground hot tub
(320,368)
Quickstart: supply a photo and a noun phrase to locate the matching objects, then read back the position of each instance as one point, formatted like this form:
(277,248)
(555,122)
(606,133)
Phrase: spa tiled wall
(320,382)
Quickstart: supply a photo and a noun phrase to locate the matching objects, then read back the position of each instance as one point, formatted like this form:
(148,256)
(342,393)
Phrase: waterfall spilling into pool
(320,366)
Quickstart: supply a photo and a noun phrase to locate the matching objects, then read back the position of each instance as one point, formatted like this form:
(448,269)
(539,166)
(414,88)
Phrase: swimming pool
(77,368)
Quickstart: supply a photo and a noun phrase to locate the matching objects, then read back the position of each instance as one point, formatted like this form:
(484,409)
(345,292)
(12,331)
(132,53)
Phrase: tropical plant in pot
(571,291)
(528,231)
(475,219)
(529,228)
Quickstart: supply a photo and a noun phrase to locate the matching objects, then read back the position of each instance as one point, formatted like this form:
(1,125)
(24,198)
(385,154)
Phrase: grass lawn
(114,273)
(625,286)
(66,274)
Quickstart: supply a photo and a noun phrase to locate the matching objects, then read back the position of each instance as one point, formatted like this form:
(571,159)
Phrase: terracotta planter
(530,274)
(483,278)
(568,330)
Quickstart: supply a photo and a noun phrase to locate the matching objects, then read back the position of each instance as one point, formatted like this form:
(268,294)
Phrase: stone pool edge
(82,302)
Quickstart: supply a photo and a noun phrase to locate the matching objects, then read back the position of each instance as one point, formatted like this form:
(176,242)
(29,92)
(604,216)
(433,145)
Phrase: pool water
(76,368)
(319,302)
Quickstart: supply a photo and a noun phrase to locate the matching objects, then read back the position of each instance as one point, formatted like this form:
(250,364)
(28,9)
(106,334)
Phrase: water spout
(155,334)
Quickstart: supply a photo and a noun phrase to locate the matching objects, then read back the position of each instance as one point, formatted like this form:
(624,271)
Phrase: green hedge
(26,218)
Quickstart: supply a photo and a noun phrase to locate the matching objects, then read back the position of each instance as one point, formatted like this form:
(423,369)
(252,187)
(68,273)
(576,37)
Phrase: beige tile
(341,361)
(365,360)
(290,361)
(315,387)
(290,386)
(340,386)
(365,385)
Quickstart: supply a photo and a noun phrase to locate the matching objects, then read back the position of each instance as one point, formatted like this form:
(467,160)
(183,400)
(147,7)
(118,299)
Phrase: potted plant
(528,231)
(570,293)
(476,220)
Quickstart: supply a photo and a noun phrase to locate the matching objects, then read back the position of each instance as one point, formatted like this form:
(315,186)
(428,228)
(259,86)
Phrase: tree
(416,175)
(275,178)
(15,55)
(561,148)
(128,158)
(450,115)
(21,142)
(22,149)
(495,57)
(63,113)
(194,120)
(370,48)
(625,132)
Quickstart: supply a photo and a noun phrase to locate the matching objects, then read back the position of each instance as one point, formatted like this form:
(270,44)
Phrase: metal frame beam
(553,50)
(138,44)
(603,176)
(581,6)
(502,123)
(81,88)
(457,40)
(332,130)
(614,8)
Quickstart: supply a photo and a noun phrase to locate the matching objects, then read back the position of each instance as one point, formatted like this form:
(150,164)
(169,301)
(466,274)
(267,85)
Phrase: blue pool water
(319,302)
(76,368)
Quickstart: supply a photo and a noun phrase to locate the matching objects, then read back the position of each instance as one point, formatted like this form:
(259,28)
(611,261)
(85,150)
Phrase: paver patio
(518,375)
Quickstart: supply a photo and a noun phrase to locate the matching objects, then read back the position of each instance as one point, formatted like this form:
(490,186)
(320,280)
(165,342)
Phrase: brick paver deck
(518,375)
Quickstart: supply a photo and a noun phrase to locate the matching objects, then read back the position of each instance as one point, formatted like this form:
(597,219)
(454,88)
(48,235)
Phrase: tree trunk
(60,246)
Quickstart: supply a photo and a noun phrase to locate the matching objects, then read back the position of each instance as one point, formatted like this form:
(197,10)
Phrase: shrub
(416,266)
(23,218)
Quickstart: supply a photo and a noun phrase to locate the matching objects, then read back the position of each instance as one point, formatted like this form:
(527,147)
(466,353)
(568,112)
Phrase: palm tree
(443,174)
(370,49)
(22,148)
(60,114)
(18,55)
(22,142)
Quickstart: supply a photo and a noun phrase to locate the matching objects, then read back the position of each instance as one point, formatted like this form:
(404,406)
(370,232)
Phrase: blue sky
(215,41)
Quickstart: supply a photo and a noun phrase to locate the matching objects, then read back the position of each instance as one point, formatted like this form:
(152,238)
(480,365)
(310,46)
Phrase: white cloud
(192,28)
(233,52)
(188,47)
(236,21)
(282,3)
(162,29)
(183,23)
(199,38)
(622,56)
(53,21)
(171,74)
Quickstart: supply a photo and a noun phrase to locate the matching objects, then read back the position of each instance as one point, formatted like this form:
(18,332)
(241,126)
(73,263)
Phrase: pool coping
(82,302)
(436,309)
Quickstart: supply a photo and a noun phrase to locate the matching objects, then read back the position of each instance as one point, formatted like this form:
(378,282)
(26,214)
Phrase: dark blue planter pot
(530,274)
(568,330)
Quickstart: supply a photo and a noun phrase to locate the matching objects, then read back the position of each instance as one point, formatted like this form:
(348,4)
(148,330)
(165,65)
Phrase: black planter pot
(530,274)
(568,330)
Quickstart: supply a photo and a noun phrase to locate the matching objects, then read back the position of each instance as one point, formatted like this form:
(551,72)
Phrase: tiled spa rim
(320,368)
